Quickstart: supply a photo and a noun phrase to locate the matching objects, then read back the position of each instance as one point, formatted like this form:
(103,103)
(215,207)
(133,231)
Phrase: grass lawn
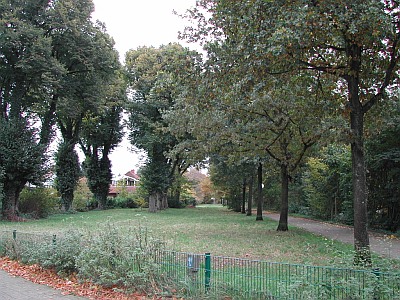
(211,229)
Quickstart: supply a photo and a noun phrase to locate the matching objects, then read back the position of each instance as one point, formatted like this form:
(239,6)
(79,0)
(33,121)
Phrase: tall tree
(157,77)
(102,132)
(90,59)
(28,75)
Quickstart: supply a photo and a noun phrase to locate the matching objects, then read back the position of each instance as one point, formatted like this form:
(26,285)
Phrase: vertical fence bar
(207,271)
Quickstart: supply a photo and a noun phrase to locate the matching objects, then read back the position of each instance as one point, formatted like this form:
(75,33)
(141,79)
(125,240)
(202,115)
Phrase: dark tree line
(56,68)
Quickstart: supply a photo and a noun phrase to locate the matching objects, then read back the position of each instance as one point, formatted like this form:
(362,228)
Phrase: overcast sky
(134,23)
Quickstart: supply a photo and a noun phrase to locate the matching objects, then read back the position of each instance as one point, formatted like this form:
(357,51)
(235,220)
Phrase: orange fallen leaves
(68,286)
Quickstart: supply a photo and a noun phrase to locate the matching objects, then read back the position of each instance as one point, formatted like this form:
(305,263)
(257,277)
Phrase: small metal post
(14,234)
(207,271)
(377,273)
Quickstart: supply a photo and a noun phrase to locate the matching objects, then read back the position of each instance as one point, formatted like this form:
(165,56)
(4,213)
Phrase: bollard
(207,271)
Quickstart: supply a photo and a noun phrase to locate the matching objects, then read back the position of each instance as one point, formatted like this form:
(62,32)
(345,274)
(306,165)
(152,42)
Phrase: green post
(14,234)
(207,271)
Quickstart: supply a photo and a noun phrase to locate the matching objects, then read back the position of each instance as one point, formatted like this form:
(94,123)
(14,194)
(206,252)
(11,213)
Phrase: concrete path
(17,288)
(380,243)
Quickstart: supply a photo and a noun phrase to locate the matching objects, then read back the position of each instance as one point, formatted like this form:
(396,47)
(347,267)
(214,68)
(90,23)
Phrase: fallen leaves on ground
(67,286)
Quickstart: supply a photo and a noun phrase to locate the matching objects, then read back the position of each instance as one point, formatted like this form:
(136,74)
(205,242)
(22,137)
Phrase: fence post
(54,239)
(377,273)
(14,234)
(207,271)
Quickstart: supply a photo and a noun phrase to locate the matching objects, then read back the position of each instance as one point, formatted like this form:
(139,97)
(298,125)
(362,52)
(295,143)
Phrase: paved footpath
(380,243)
(18,288)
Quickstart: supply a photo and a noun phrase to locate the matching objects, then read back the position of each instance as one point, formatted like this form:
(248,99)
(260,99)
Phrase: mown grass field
(211,229)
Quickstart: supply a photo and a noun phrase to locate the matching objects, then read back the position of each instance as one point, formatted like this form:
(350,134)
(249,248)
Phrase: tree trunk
(164,200)
(10,201)
(361,238)
(283,219)
(259,193)
(101,200)
(250,200)
(66,200)
(244,196)
(153,203)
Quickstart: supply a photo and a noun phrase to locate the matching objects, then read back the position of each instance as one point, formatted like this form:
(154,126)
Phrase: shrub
(125,202)
(38,202)
(114,257)
(49,251)
(109,257)
(83,197)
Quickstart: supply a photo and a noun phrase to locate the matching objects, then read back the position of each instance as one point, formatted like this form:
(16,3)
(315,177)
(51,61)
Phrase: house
(127,182)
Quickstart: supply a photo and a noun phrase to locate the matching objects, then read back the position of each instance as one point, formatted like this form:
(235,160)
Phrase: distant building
(127,181)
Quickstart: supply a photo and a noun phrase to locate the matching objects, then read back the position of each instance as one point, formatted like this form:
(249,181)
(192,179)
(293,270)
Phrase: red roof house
(128,181)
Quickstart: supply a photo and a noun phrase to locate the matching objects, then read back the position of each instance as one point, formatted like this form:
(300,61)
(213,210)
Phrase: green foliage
(29,72)
(327,188)
(113,256)
(1,187)
(101,133)
(83,197)
(288,70)
(98,172)
(50,252)
(67,172)
(158,77)
(85,96)
(22,159)
(38,202)
(129,199)
(315,181)
(118,257)
(383,158)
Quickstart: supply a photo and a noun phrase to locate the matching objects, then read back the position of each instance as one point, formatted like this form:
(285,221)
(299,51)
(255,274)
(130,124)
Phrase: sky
(135,23)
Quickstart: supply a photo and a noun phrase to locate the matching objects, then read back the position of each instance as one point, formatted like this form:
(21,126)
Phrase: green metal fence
(217,277)
(254,279)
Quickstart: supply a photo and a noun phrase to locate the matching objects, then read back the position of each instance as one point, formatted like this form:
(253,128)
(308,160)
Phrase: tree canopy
(55,65)
(157,77)
(349,49)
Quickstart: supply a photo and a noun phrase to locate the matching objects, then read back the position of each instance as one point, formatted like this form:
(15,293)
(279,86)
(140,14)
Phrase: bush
(125,202)
(38,202)
(83,197)
(49,251)
(120,258)
(110,257)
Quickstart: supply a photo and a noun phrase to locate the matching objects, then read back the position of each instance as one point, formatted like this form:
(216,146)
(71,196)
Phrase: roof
(132,174)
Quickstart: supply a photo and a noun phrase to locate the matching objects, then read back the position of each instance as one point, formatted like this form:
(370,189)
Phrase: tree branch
(394,59)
